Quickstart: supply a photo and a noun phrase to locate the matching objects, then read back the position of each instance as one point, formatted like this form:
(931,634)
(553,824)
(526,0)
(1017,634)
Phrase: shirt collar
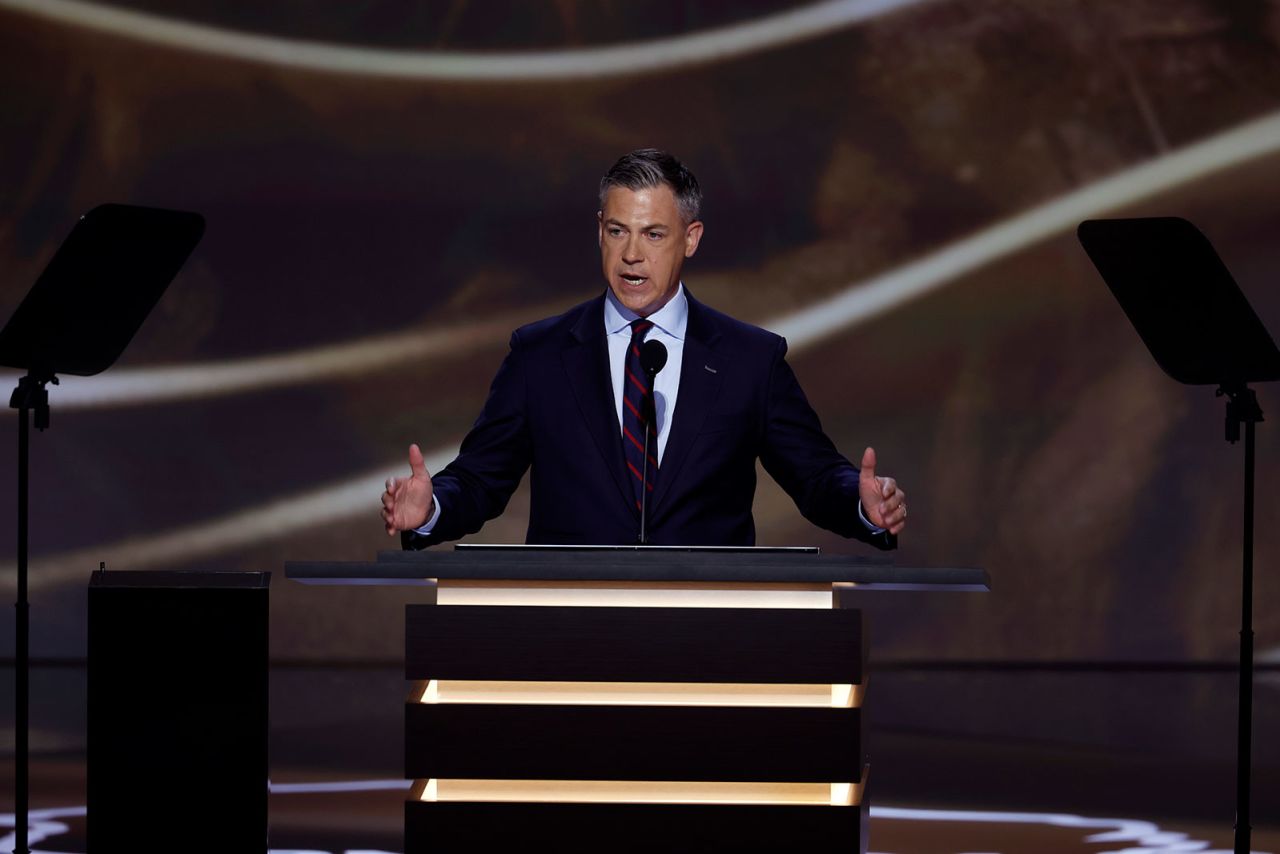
(672,318)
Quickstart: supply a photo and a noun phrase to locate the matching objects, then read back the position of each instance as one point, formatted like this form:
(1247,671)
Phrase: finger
(868,464)
(388,501)
(896,519)
(416,463)
(886,488)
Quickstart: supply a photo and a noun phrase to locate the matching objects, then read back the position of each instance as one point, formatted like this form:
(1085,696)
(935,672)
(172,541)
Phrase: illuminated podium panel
(635,699)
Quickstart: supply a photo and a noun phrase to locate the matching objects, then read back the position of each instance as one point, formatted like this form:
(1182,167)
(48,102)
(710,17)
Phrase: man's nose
(632,252)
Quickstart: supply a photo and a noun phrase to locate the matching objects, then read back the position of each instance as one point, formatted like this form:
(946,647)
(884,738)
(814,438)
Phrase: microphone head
(653,356)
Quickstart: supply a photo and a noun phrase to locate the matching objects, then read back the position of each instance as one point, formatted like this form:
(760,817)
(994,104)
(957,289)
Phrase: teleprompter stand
(1201,330)
(78,318)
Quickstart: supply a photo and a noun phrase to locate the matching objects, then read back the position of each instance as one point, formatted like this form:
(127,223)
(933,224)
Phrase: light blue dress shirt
(669,323)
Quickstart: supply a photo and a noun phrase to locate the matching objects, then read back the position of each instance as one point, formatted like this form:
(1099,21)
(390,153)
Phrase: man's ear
(692,236)
(600,227)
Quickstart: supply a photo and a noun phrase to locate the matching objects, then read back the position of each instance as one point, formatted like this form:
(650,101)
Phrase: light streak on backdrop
(855,304)
(160,384)
(333,503)
(890,290)
(626,60)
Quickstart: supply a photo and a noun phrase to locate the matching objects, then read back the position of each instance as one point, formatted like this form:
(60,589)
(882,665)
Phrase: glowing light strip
(667,594)
(856,304)
(637,693)
(639,792)
(533,66)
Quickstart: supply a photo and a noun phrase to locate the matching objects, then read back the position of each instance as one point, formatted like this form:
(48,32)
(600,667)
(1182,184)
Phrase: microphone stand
(653,356)
(647,419)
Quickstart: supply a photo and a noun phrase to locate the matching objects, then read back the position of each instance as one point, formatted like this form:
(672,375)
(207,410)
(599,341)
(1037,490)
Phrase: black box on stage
(177,717)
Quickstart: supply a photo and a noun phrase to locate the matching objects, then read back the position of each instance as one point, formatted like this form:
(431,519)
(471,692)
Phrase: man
(570,400)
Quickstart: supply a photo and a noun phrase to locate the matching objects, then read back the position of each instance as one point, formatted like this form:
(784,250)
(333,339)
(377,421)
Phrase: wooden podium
(635,699)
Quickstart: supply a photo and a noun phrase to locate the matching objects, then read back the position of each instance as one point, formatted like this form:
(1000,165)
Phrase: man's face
(643,243)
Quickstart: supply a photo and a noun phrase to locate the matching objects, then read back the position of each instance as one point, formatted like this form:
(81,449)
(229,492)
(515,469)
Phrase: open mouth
(634,280)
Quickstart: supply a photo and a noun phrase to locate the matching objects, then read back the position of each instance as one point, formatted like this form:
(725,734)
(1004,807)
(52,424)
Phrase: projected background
(390,188)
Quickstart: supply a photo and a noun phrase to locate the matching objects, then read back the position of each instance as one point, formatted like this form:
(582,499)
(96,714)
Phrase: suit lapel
(586,363)
(699,385)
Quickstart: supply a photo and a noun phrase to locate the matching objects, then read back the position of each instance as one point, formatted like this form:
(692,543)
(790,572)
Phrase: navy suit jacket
(551,410)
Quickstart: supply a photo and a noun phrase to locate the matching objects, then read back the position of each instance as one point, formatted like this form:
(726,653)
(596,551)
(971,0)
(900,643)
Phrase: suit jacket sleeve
(494,456)
(804,461)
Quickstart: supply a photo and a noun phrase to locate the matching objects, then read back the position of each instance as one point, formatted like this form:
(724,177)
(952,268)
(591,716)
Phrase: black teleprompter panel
(713,743)
(591,644)
(177,711)
(444,828)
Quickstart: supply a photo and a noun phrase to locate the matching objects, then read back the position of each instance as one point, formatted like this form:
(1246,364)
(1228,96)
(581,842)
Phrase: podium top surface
(637,564)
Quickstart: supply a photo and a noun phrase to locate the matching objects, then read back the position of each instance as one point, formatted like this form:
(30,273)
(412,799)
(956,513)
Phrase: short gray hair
(646,168)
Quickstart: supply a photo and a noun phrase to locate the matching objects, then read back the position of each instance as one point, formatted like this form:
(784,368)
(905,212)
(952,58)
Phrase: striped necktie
(636,388)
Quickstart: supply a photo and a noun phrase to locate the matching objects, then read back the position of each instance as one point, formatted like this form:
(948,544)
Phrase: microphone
(653,357)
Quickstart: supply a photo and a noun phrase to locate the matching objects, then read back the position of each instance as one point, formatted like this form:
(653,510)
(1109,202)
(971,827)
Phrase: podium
(635,699)
(177,710)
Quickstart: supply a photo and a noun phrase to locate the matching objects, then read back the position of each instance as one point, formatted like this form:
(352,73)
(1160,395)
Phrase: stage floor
(321,814)
(987,760)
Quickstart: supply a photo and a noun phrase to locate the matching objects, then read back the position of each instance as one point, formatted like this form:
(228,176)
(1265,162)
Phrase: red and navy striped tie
(636,388)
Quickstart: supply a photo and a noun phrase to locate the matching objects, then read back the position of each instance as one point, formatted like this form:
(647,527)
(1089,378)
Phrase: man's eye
(655,235)
(614,232)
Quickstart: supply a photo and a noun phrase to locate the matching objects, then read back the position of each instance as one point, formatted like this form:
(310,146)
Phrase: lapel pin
(711,369)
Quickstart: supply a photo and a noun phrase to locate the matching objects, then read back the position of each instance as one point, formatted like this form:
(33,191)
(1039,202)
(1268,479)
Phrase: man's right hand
(407,503)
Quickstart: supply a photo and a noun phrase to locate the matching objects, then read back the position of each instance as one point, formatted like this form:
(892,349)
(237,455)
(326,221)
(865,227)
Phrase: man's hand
(883,503)
(407,503)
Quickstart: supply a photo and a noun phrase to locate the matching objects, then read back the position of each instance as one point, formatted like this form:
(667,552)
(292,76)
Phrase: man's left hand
(884,504)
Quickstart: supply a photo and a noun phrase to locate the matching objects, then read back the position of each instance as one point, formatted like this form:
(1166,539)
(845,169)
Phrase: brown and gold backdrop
(391,187)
